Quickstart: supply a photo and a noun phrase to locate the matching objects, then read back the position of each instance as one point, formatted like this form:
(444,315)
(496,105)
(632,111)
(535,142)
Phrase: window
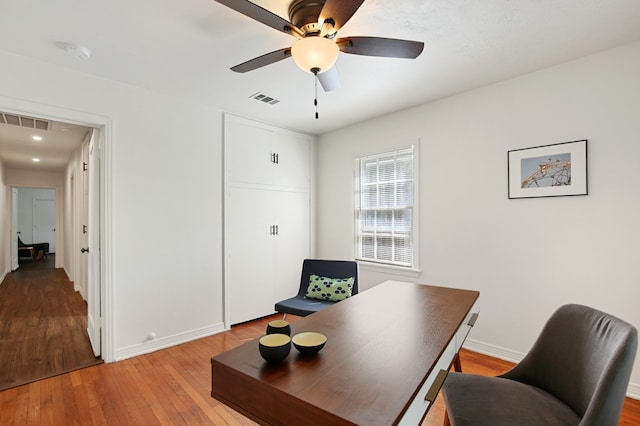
(385,208)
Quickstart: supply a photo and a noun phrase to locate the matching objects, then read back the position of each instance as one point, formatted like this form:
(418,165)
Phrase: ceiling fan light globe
(315,52)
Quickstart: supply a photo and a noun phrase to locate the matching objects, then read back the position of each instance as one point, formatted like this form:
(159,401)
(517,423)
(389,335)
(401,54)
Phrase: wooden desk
(384,349)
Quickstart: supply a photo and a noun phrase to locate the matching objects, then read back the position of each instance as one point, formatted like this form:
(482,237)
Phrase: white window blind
(384,208)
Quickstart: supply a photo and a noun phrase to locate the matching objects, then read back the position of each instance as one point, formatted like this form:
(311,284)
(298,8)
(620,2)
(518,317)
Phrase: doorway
(36,221)
(74,233)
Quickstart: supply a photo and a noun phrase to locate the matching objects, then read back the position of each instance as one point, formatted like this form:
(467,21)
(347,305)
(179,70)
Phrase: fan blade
(377,46)
(329,79)
(340,11)
(260,14)
(263,60)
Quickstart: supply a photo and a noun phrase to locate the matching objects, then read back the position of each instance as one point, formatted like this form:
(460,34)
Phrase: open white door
(94,315)
(14,229)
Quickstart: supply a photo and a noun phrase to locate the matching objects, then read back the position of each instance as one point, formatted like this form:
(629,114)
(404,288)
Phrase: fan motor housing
(304,14)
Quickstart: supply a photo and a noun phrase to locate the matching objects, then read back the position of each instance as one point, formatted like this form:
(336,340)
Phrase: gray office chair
(576,373)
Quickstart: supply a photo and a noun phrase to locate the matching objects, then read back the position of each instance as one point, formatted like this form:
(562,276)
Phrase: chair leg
(456,363)
(285,316)
(446,419)
(457,366)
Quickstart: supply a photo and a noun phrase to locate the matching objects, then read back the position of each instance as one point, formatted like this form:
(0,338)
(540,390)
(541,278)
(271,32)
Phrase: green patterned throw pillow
(333,289)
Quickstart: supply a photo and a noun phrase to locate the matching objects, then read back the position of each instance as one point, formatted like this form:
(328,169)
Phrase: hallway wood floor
(172,387)
(43,324)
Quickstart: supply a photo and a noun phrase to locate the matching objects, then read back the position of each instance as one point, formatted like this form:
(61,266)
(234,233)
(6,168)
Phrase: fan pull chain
(315,101)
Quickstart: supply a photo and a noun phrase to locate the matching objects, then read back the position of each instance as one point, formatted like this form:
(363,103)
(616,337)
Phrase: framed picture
(548,171)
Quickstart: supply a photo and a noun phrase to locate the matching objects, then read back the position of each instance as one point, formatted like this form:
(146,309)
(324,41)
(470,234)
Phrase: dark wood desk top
(381,346)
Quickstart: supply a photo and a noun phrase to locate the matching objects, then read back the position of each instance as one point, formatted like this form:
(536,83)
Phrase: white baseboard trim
(493,350)
(79,290)
(633,390)
(166,342)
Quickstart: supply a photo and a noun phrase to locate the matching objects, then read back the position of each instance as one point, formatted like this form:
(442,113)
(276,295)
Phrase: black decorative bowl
(274,347)
(279,326)
(309,343)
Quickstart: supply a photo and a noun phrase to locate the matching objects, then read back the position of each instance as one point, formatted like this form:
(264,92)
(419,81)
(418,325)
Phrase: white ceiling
(58,142)
(185,48)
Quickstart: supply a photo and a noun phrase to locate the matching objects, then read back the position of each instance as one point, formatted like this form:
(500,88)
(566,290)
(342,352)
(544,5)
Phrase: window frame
(375,262)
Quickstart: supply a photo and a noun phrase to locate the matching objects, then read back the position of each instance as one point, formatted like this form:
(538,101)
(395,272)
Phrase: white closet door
(267,215)
(292,209)
(250,253)
(261,154)
(292,155)
(250,153)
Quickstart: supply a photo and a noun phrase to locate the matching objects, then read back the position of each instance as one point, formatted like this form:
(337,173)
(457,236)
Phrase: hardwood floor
(43,324)
(171,387)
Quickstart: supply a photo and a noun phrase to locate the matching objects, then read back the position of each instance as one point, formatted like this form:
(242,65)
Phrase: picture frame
(555,170)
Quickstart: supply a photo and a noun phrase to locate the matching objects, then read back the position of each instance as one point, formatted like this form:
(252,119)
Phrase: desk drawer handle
(472,320)
(435,386)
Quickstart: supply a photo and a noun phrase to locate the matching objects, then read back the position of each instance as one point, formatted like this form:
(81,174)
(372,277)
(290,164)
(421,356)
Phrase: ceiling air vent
(22,121)
(259,96)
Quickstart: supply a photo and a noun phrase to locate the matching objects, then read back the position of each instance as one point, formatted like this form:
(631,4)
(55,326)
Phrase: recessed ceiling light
(36,138)
(35,160)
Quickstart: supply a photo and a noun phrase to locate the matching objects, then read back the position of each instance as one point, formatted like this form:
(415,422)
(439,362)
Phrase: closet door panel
(250,253)
(292,209)
(265,155)
(292,156)
(250,156)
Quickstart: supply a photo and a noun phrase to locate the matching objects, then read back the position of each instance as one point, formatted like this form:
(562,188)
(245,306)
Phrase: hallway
(43,325)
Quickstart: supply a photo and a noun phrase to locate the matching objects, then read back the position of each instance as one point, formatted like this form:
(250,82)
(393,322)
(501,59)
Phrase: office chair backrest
(583,357)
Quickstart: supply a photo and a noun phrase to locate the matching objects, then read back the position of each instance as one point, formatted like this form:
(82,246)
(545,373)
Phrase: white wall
(166,206)
(525,256)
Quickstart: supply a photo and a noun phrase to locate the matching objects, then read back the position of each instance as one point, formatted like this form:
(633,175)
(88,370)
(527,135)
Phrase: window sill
(388,269)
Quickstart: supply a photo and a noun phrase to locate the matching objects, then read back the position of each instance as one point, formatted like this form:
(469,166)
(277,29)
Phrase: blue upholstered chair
(576,373)
(300,305)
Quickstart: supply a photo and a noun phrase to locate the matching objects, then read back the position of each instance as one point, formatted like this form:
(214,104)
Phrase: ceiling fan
(315,24)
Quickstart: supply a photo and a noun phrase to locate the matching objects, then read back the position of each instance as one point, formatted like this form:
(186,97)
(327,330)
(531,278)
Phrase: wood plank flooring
(172,387)
(43,324)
